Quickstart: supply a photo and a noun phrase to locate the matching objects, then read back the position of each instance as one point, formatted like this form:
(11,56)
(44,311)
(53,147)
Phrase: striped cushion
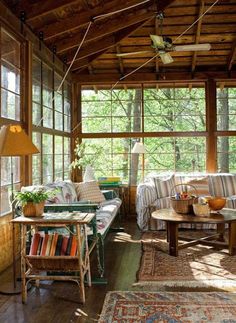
(89,191)
(164,186)
(222,184)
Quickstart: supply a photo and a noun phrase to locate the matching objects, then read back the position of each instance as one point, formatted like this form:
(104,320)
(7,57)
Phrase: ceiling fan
(163,46)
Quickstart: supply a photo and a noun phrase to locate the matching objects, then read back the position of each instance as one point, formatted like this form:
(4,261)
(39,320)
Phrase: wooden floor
(58,301)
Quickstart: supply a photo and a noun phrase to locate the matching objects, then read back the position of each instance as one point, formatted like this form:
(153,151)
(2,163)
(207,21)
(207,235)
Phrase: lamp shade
(15,142)
(138,148)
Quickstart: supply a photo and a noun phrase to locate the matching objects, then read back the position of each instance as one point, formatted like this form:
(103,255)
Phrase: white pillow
(89,191)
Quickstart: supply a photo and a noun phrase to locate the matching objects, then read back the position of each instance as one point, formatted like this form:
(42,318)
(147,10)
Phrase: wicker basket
(183,206)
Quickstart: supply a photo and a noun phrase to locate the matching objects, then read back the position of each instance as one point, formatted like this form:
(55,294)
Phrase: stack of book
(110,180)
(54,244)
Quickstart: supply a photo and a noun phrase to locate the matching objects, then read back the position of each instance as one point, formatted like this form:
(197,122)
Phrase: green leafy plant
(35,196)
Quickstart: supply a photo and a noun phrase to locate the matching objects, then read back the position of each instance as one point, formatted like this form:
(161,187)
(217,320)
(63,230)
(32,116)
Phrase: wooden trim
(144,134)
(166,77)
(211,110)
(232,56)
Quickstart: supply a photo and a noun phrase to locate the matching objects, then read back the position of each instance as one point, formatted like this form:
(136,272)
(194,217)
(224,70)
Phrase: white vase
(89,174)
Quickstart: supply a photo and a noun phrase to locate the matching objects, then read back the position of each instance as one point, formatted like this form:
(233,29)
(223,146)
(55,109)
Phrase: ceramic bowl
(216,203)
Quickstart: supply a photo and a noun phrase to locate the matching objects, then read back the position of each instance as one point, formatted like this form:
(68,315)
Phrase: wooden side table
(33,266)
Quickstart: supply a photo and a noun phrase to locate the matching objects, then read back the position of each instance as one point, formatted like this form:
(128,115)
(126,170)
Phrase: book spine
(54,243)
(64,245)
(44,245)
(59,245)
(34,244)
(50,236)
(68,249)
(39,245)
(73,249)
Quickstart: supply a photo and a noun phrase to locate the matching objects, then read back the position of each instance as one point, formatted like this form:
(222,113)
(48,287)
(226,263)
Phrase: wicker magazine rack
(183,206)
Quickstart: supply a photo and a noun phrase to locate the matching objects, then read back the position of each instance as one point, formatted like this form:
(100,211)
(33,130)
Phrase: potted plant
(33,202)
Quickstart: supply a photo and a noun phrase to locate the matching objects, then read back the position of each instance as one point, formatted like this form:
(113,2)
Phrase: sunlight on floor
(79,312)
(125,237)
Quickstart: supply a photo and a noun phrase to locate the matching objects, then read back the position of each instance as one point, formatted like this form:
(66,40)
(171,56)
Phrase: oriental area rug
(150,307)
(199,267)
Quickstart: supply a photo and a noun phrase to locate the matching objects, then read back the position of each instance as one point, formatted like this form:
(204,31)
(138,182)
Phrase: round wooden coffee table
(173,220)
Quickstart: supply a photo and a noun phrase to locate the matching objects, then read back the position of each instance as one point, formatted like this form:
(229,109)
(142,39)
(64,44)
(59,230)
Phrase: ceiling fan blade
(157,41)
(194,47)
(166,58)
(134,53)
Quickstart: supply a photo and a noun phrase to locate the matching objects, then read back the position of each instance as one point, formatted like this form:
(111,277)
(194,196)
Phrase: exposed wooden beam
(36,9)
(90,53)
(198,32)
(101,29)
(151,77)
(101,46)
(78,20)
(232,56)
(121,65)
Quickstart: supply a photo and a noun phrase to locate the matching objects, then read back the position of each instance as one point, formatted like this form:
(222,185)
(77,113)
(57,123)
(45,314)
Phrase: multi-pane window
(10,109)
(226,121)
(146,111)
(52,116)
(111,110)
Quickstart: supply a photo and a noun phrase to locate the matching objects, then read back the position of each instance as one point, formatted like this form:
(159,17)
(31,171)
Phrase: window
(180,113)
(10,109)
(111,111)
(51,118)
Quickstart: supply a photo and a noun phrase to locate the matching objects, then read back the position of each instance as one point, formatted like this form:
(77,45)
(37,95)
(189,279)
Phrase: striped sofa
(156,190)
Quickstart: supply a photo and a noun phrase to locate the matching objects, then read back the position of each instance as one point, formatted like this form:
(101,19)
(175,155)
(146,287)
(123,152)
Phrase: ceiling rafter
(79,20)
(99,47)
(198,33)
(102,29)
(157,69)
(38,9)
(232,56)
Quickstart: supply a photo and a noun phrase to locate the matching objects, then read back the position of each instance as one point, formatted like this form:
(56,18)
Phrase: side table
(34,267)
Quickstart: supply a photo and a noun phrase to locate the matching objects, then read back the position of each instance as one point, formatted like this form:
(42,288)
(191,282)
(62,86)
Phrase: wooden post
(211,153)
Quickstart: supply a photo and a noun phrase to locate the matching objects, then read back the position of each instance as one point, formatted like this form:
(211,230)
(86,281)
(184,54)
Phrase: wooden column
(211,162)
(76,126)
(26,108)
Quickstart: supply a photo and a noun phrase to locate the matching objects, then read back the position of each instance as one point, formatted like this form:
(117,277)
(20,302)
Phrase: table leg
(221,230)
(173,238)
(232,238)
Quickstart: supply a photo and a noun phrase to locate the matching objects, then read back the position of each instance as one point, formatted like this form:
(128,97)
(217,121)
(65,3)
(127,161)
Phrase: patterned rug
(199,266)
(124,307)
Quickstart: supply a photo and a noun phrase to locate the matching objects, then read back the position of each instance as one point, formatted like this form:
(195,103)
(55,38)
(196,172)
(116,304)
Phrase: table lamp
(14,142)
(139,148)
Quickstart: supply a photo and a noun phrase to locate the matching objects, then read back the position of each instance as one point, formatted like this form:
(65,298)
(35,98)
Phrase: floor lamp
(139,148)
(14,142)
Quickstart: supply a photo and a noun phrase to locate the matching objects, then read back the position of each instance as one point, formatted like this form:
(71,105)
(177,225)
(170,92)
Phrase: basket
(183,206)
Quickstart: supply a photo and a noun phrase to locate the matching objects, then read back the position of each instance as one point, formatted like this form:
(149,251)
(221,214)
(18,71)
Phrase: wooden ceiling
(63,24)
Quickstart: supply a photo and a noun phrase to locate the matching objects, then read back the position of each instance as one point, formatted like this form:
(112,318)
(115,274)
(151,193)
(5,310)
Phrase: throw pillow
(89,191)
(222,184)
(164,186)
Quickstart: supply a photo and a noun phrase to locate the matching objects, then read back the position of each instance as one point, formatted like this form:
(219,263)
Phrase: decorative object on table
(216,203)
(89,174)
(182,202)
(141,306)
(198,267)
(201,209)
(14,142)
(33,202)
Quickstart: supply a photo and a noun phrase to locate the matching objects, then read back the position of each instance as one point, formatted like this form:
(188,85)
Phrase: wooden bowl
(216,203)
